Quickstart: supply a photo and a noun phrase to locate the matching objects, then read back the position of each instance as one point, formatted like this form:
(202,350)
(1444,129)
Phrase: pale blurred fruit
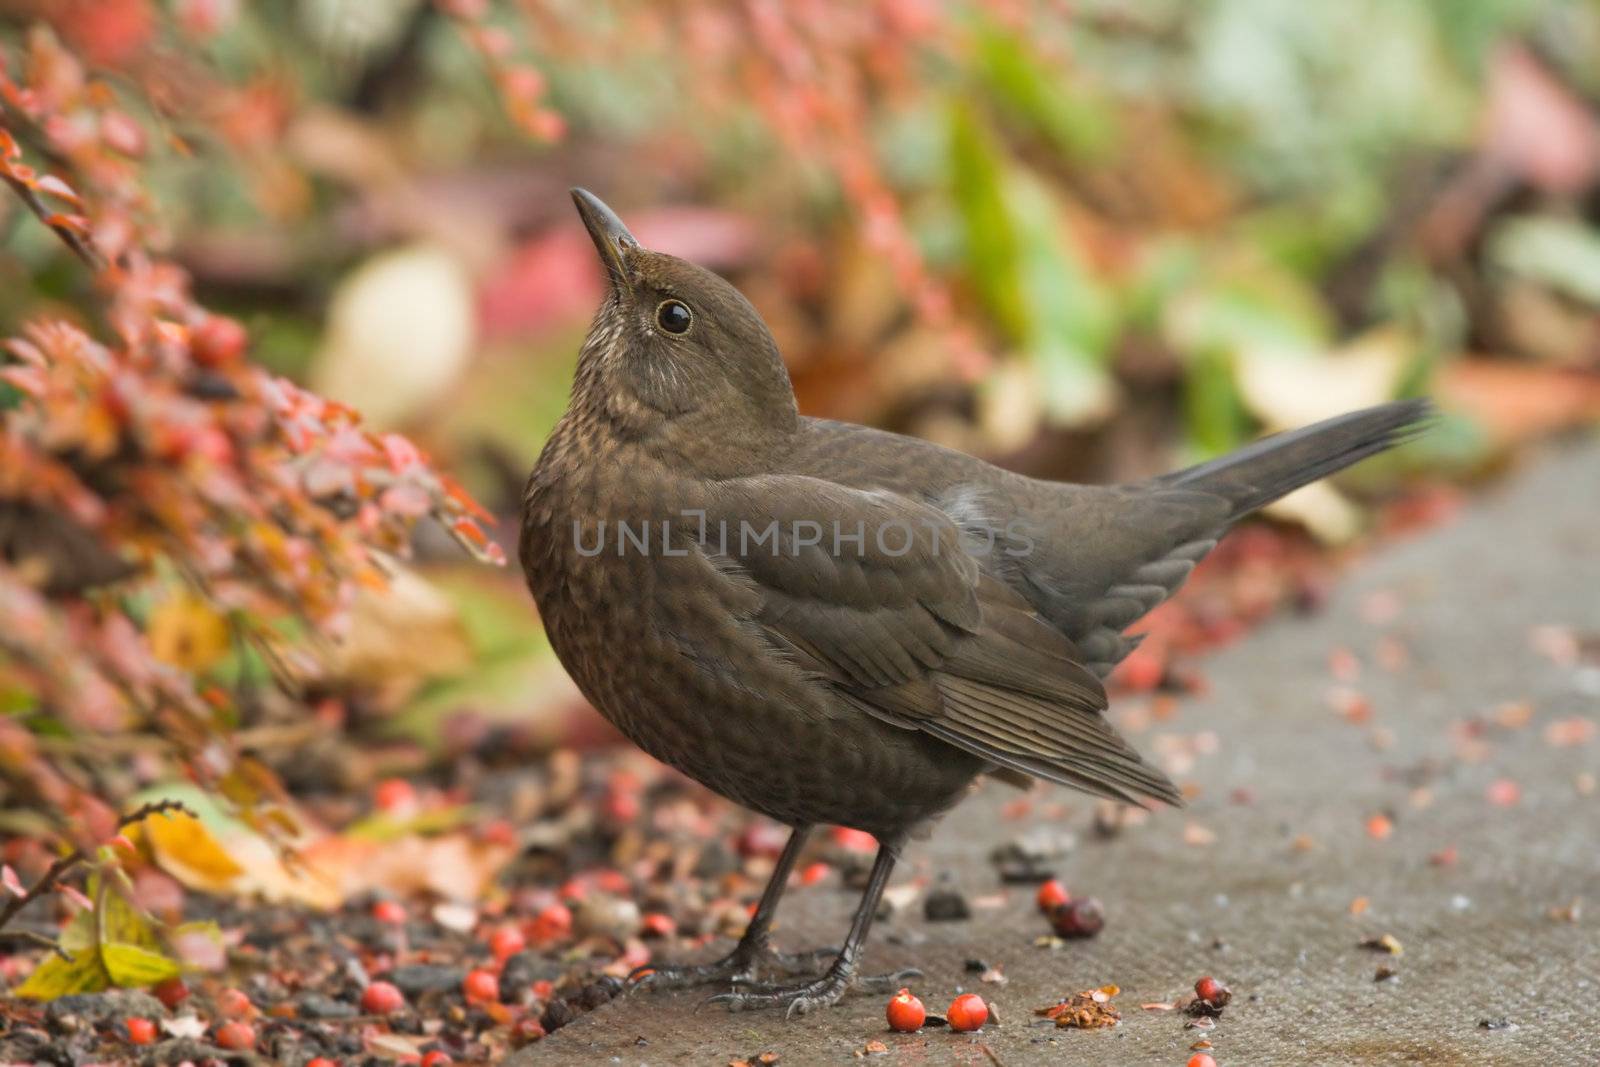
(399,335)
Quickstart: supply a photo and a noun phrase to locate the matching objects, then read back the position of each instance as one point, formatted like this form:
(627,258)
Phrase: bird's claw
(739,967)
(821,992)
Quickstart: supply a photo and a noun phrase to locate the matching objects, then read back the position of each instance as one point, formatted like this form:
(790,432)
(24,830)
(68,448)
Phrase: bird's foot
(821,992)
(740,967)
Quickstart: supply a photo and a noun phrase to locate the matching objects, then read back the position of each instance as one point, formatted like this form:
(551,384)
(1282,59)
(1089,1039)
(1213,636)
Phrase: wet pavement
(1273,890)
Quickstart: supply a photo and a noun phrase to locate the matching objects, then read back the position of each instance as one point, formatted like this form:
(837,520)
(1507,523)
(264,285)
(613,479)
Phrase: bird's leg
(827,989)
(753,950)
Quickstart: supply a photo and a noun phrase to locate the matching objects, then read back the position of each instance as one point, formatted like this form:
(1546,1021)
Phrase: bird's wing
(875,595)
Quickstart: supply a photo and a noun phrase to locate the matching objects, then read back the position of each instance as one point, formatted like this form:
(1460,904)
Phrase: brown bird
(830,624)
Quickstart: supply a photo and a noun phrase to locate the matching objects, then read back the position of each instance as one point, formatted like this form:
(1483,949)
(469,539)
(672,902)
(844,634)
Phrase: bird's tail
(1261,472)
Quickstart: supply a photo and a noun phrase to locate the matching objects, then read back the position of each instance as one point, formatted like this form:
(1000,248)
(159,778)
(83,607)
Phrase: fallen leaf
(185,848)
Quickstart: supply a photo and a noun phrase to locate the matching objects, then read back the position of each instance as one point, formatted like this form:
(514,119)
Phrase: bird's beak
(610,236)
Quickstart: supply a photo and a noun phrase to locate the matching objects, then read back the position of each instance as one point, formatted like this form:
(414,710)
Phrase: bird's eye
(673,316)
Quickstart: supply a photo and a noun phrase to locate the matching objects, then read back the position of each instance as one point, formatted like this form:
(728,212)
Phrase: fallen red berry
(1201,1059)
(234,1004)
(437,1059)
(506,942)
(171,993)
(814,873)
(321,1061)
(140,1031)
(1504,793)
(967,1012)
(526,1031)
(656,924)
(1212,992)
(906,1013)
(1052,894)
(854,840)
(382,998)
(394,795)
(1078,918)
(389,911)
(482,987)
(553,923)
(236,1036)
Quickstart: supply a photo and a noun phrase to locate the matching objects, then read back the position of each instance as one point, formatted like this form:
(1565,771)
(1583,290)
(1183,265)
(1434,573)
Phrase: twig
(84,250)
(62,866)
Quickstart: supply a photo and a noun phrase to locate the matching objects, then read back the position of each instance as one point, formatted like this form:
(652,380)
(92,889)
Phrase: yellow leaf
(56,977)
(133,967)
(122,923)
(186,849)
(187,634)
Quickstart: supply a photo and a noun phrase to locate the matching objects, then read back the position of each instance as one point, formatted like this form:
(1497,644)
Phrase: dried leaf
(183,846)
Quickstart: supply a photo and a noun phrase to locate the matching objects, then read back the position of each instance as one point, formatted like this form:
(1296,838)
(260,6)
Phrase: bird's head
(675,351)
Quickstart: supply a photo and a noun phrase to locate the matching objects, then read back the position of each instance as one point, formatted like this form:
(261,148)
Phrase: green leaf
(1072,319)
(1561,253)
(1075,123)
(977,177)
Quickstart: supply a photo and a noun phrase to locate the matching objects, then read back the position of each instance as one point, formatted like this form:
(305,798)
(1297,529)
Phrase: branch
(62,866)
(26,190)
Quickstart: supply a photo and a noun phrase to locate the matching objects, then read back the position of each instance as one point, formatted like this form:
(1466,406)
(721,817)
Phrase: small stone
(522,970)
(99,1008)
(415,979)
(945,905)
(311,1005)
(557,1014)
(602,915)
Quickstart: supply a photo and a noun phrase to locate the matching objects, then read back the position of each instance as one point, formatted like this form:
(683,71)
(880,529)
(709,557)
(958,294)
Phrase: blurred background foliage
(1086,240)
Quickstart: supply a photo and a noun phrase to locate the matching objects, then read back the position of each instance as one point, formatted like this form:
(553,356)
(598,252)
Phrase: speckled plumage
(836,682)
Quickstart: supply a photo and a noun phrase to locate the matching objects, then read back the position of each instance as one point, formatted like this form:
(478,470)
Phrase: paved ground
(1269,916)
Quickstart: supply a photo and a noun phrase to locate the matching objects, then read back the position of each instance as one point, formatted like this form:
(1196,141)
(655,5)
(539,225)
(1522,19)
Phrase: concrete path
(1264,890)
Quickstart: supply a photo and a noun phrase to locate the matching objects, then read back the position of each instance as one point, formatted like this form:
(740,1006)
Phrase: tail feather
(1261,472)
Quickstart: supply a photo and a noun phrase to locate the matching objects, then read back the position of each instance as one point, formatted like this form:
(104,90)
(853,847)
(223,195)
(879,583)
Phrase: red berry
(394,795)
(171,993)
(382,998)
(140,1031)
(234,1004)
(1201,1059)
(236,1036)
(656,924)
(526,1031)
(1212,991)
(389,911)
(967,1012)
(217,340)
(437,1059)
(482,987)
(814,873)
(1078,918)
(854,840)
(553,923)
(321,1061)
(762,839)
(906,1013)
(506,942)
(622,806)
(1141,670)
(1052,894)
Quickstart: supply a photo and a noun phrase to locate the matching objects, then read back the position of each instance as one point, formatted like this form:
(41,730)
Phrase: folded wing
(876,596)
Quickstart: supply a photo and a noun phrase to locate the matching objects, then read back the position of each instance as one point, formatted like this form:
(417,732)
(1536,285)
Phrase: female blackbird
(831,624)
